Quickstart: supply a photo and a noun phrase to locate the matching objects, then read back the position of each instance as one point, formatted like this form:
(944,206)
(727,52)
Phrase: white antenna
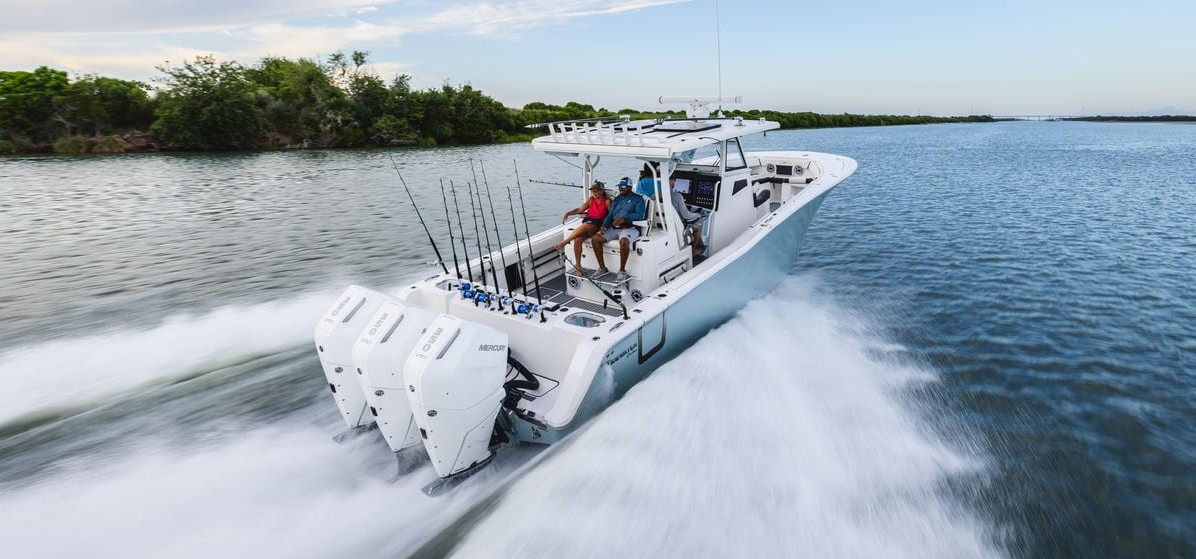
(718,47)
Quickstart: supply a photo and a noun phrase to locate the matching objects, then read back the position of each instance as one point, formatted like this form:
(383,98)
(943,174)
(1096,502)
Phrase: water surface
(986,349)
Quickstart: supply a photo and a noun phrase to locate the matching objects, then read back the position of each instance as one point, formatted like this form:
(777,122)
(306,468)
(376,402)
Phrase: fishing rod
(461,228)
(518,250)
(486,230)
(530,251)
(477,235)
(502,253)
(449,222)
(439,259)
(570,185)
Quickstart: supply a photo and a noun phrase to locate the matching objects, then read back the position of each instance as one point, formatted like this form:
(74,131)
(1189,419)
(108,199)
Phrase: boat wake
(783,433)
(270,492)
(62,376)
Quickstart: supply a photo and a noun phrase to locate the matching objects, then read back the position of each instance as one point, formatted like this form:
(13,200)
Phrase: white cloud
(503,18)
(302,42)
(95,55)
(129,38)
(138,16)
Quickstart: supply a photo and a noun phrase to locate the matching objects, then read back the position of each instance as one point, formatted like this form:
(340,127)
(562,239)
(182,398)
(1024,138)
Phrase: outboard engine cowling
(379,355)
(455,377)
(336,333)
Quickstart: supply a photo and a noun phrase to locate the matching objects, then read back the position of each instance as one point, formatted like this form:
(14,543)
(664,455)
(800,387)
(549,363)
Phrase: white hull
(695,308)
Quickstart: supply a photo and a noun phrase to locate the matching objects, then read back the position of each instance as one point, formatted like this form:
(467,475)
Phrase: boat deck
(555,292)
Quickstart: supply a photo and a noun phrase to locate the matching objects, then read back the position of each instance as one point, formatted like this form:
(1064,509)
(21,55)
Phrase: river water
(986,349)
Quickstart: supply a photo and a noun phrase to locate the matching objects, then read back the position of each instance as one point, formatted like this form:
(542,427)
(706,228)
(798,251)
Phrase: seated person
(594,210)
(647,184)
(691,219)
(626,208)
(647,187)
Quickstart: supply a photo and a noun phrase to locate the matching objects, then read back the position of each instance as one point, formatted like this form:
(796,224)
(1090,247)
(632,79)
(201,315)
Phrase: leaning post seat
(652,218)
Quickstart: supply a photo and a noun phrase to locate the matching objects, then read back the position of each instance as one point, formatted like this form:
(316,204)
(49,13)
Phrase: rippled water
(987,349)
(1045,270)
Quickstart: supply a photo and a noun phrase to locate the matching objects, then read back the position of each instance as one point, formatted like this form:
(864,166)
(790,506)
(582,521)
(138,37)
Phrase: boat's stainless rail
(600,133)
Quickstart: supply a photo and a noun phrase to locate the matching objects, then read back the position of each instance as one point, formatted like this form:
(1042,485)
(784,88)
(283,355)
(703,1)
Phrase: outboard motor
(378,356)
(455,377)
(336,333)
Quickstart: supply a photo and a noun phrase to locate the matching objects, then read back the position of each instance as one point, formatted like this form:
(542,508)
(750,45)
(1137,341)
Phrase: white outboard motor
(378,356)
(336,333)
(455,377)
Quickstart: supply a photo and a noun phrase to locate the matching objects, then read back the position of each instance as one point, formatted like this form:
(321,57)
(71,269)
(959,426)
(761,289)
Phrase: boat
(523,345)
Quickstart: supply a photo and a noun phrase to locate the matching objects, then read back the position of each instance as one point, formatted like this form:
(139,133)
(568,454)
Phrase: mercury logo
(377,325)
(341,306)
(431,340)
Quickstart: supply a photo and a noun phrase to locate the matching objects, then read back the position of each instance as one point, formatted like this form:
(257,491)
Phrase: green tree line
(205,104)
(1152,118)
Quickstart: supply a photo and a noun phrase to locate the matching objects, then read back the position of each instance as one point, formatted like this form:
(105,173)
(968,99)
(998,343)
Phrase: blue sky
(1000,57)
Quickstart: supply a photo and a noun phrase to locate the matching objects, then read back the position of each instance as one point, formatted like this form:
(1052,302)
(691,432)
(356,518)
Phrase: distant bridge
(1036,117)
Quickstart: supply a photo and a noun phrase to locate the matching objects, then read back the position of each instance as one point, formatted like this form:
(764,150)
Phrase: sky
(934,57)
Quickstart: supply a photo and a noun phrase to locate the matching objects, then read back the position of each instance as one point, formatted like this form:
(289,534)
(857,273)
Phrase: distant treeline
(282,103)
(1156,118)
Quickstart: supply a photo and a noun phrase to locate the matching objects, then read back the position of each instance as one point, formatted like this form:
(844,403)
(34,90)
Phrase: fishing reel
(527,309)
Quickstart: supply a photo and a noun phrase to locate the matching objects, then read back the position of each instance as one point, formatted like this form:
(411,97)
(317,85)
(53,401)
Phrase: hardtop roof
(648,139)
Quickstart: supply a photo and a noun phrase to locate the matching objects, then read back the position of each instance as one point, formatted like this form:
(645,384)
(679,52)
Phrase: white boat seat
(645,224)
(654,219)
(610,249)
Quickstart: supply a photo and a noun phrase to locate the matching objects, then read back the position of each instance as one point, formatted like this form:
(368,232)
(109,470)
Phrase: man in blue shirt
(626,208)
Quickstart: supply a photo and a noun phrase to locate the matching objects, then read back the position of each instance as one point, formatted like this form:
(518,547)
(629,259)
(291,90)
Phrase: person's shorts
(630,233)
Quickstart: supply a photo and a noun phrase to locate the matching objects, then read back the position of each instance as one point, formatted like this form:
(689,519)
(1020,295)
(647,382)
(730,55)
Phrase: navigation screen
(682,186)
(706,188)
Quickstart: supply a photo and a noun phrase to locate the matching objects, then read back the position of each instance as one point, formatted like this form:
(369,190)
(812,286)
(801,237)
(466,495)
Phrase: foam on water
(290,493)
(283,489)
(74,372)
(783,433)
(77,372)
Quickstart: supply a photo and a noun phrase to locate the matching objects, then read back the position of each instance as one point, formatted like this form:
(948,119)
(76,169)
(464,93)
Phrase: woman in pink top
(594,211)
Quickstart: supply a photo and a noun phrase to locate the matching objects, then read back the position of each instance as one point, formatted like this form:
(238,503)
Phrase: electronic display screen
(681,185)
(706,187)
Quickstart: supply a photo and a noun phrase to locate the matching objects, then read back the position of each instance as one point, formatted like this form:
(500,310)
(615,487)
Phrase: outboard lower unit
(379,356)
(336,334)
(455,385)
